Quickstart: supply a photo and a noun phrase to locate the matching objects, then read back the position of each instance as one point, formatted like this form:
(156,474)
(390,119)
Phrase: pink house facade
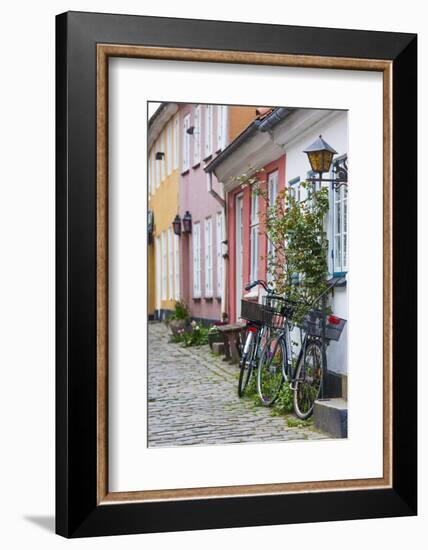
(205,131)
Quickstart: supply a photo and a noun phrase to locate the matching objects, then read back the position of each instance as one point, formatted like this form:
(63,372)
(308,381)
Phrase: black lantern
(160,155)
(176,224)
(320,155)
(187,222)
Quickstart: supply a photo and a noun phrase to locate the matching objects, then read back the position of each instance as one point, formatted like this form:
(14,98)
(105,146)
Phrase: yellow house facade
(163,191)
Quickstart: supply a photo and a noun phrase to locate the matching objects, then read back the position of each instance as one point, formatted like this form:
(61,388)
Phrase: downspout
(222,202)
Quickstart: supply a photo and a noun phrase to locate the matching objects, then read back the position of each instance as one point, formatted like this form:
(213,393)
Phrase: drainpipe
(222,202)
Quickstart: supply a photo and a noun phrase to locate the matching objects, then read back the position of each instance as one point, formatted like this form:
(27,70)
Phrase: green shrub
(181,312)
(194,335)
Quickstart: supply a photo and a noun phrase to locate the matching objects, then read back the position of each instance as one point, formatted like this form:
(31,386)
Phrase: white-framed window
(197,136)
(169,153)
(272,195)
(196,239)
(186,142)
(221,126)
(163,264)
(294,189)
(219,250)
(170,265)
(176,267)
(150,174)
(157,165)
(340,230)
(208,258)
(176,124)
(162,161)
(254,238)
(208,130)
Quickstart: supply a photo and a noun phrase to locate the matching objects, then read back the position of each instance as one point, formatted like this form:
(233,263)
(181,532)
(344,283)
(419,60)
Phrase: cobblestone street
(193,400)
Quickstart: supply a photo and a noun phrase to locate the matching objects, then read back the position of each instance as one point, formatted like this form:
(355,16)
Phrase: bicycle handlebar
(340,279)
(270,292)
(251,285)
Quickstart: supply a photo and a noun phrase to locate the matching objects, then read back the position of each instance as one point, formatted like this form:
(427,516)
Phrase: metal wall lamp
(187,222)
(176,225)
(320,155)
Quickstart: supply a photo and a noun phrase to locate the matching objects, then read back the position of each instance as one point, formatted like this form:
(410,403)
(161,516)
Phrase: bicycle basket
(252,311)
(312,324)
(274,312)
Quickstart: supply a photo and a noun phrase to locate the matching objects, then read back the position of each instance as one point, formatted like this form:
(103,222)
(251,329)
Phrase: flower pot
(177,324)
(214,337)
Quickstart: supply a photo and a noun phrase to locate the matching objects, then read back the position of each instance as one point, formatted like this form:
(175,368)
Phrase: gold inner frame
(104,52)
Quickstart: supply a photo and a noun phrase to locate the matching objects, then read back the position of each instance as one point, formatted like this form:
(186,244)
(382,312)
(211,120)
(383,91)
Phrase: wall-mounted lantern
(176,224)
(320,156)
(159,155)
(187,222)
(150,226)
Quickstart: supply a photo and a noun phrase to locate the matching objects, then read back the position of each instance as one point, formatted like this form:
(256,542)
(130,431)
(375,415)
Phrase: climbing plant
(297,261)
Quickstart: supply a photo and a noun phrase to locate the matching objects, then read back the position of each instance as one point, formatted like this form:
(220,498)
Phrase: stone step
(331,416)
(218,348)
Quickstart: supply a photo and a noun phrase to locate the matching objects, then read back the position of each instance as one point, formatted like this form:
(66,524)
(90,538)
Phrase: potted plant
(214,335)
(179,319)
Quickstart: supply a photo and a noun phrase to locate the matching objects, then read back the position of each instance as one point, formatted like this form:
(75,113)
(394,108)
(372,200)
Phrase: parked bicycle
(306,374)
(257,334)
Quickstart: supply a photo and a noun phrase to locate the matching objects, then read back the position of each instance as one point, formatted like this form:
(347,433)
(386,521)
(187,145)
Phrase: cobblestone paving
(193,400)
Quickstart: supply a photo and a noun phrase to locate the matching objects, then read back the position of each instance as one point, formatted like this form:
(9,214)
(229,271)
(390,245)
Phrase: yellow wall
(163,191)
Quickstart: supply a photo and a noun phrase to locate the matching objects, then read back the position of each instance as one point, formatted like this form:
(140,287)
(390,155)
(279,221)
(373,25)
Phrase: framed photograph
(236,274)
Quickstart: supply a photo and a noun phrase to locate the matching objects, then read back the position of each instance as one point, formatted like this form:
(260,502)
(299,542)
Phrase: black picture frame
(77,511)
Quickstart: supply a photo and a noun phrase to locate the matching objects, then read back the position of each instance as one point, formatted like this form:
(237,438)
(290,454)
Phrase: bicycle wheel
(269,376)
(246,365)
(309,379)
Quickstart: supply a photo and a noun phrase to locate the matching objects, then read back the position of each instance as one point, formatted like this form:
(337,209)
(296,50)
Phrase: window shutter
(219,126)
(176,140)
(208,130)
(197,136)
(219,254)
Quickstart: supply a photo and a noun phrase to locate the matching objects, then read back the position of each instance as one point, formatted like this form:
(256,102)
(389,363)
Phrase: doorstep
(331,416)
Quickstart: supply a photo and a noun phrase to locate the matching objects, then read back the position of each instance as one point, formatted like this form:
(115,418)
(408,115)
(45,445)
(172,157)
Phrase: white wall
(334,129)
(27,275)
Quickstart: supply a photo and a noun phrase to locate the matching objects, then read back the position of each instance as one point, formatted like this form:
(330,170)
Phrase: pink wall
(194,197)
(277,165)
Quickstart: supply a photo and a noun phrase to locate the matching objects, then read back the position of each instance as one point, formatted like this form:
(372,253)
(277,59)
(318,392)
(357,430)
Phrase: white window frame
(272,194)
(221,126)
(208,131)
(151,186)
(169,153)
(294,188)
(219,250)
(176,267)
(157,165)
(208,246)
(196,245)
(176,124)
(197,135)
(340,230)
(170,265)
(254,238)
(163,265)
(162,162)
(186,143)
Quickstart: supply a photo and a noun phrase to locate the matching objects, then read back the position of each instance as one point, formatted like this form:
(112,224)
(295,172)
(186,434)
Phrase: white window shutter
(208,130)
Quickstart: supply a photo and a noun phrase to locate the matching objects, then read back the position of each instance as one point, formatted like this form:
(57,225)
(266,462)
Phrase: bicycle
(306,374)
(257,332)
